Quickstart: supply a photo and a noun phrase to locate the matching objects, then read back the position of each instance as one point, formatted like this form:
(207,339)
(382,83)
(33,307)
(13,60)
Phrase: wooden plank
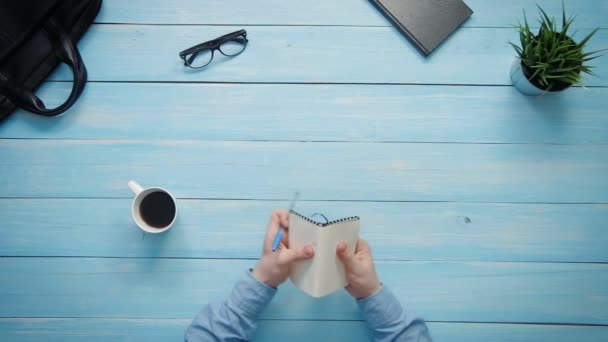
(322,171)
(306,54)
(402,231)
(177,288)
(162,330)
(318,113)
(590,13)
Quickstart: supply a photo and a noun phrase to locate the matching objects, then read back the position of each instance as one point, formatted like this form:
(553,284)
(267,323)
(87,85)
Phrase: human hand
(359,268)
(273,267)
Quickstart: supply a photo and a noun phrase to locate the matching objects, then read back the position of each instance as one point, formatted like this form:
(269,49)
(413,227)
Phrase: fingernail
(309,251)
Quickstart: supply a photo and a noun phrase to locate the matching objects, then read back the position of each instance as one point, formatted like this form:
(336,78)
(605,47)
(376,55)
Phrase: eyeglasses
(229,45)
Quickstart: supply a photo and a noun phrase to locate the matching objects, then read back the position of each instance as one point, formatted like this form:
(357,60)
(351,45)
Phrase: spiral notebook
(324,273)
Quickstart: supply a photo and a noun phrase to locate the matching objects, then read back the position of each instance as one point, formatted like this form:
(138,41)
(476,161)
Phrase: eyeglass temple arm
(198,47)
(232,34)
(210,43)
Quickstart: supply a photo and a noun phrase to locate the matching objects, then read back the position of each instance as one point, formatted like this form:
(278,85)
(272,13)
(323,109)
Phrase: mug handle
(135,187)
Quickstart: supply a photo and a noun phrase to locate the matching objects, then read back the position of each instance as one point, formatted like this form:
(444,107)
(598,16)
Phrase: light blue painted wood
(306,54)
(234,229)
(319,113)
(487,13)
(439,291)
(162,330)
(136,114)
(322,171)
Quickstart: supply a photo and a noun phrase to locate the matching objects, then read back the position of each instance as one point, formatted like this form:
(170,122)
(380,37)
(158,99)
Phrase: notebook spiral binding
(321,224)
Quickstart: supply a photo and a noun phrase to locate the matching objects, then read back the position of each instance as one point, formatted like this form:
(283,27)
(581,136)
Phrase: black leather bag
(35,36)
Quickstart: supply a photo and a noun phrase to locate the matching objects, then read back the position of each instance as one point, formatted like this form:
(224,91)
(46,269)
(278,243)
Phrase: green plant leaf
(565,70)
(590,72)
(566,25)
(517,49)
(591,58)
(582,43)
(546,21)
(563,15)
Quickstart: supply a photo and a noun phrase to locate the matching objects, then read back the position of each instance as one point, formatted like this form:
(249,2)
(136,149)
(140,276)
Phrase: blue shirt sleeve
(389,322)
(234,318)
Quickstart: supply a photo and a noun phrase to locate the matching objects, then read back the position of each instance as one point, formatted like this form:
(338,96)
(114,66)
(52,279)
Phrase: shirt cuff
(380,308)
(250,295)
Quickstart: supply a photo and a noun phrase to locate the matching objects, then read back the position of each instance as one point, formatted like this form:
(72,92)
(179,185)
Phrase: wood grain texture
(439,291)
(319,113)
(307,54)
(403,128)
(322,171)
(487,13)
(234,229)
(162,330)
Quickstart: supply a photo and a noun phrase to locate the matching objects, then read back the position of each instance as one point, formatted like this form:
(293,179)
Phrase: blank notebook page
(324,273)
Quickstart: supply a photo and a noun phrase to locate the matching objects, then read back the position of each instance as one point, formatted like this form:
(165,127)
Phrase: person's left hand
(274,267)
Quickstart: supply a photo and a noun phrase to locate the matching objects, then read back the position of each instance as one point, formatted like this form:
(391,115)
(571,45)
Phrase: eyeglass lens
(199,59)
(231,47)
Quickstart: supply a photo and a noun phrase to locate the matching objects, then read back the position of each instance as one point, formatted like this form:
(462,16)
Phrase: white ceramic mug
(140,194)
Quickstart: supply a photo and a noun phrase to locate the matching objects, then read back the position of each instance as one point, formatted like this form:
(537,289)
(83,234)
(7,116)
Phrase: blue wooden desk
(486,210)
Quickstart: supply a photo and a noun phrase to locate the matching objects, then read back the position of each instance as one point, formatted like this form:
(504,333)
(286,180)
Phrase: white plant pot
(521,82)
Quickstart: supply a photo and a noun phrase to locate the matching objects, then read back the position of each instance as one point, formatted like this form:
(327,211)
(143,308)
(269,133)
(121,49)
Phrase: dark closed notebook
(426,22)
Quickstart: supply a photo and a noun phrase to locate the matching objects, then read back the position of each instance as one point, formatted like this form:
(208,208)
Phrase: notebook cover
(426,22)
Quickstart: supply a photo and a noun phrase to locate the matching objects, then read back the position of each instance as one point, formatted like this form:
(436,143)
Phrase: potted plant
(550,60)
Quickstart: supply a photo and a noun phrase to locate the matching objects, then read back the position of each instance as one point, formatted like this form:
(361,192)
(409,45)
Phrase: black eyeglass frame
(212,45)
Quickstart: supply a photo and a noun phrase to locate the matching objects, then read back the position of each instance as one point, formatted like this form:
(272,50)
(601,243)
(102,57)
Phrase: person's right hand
(274,267)
(360,272)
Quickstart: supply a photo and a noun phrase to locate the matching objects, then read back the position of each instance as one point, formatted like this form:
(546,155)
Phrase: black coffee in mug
(157,209)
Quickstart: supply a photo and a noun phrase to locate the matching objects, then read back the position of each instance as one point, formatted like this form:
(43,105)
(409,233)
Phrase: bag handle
(68,54)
